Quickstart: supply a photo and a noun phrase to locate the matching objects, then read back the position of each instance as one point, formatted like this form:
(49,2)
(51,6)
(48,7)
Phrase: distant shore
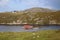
(30,24)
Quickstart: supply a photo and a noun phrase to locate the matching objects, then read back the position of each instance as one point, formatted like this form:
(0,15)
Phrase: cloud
(49,7)
(51,4)
(36,3)
(30,2)
(7,5)
(3,2)
(55,4)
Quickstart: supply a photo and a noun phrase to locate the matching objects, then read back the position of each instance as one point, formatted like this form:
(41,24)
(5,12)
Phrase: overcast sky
(11,5)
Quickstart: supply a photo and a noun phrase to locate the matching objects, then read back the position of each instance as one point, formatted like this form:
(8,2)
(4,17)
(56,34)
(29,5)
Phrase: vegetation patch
(39,35)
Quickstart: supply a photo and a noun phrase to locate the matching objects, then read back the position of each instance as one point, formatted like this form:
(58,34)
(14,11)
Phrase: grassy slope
(43,35)
(30,18)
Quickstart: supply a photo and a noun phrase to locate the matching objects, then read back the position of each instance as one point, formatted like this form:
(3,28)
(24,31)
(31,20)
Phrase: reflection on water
(21,29)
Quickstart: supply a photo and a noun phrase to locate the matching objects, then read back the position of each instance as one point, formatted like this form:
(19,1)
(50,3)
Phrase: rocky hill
(38,9)
(31,16)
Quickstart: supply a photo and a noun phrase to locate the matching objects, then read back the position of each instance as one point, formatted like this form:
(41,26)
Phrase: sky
(12,5)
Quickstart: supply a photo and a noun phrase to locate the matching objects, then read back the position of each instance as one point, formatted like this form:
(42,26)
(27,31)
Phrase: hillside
(31,16)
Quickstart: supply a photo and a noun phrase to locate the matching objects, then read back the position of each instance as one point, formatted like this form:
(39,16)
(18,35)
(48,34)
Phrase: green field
(40,35)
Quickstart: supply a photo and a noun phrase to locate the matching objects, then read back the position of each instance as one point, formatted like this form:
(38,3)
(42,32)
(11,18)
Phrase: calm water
(21,29)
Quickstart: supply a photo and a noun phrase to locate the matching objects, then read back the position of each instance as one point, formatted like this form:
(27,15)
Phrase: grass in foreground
(40,35)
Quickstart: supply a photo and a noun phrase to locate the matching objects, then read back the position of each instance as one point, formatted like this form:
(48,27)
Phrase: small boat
(27,26)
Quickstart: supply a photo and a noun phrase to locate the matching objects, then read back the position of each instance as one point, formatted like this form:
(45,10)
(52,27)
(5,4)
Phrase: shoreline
(30,24)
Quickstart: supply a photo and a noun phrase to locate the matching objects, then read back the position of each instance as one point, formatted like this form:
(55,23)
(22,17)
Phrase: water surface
(21,28)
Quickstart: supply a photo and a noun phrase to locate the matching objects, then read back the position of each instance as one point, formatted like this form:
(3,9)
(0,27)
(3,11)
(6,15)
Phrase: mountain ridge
(38,9)
(35,9)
